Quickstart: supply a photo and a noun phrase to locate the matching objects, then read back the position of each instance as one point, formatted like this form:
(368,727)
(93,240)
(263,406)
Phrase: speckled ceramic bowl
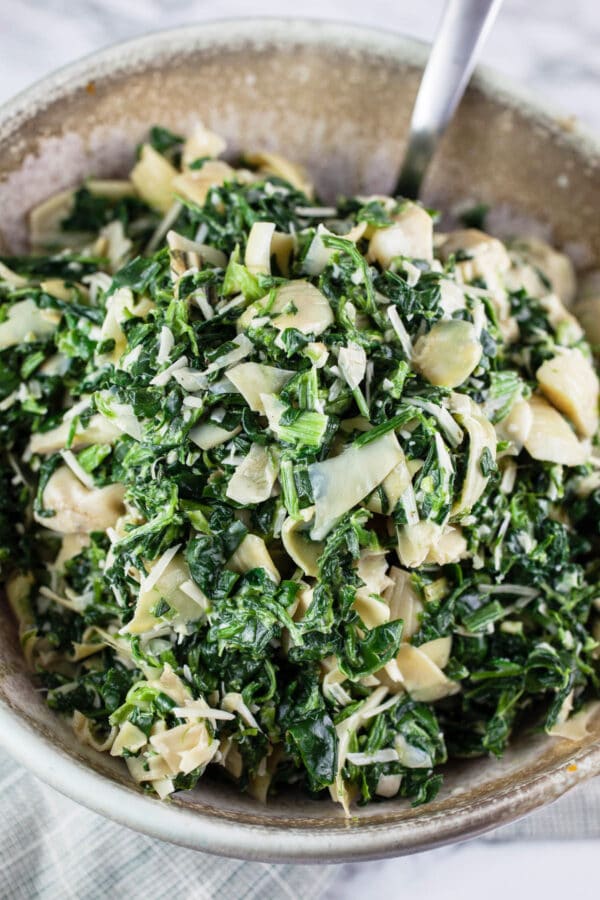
(338,99)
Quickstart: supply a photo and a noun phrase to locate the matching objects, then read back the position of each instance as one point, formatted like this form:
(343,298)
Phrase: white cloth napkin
(53,849)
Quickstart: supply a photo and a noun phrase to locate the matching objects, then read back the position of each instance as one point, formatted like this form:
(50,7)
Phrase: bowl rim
(189,827)
(262,29)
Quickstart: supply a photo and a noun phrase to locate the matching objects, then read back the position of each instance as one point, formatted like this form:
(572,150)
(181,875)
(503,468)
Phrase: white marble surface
(549,46)
(478,871)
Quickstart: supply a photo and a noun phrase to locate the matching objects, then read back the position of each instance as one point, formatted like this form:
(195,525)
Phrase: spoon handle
(463,29)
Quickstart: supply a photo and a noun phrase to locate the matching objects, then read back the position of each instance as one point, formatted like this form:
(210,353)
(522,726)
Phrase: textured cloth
(53,849)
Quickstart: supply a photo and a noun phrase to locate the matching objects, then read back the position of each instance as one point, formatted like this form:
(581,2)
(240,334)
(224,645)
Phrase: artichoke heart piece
(372,569)
(174,586)
(185,747)
(201,143)
(352,363)
(7,276)
(257,257)
(98,430)
(153,177)
(19,587)
(551,439)
(415,542)
(121,306)
(569,382)
(77,508)
(208,435)
(336,493)
(318,256)
(438,650)
(393,487)
(549,265)
(561,319)
(403,601)
(195,184)
(486,256)
(482,440)
(275,164)
(253,379)
(411,235)
(421,677)
(120,415)
(297,304)
(251,554)
(86,732)
(185,254)
(452,297)
(515,427)
(578,726)
(253,479)
(26,322)
(72,545)
(448,353)
(283,245)
(58,287)
(113,243)
(451,547)
(130,739)
(298,544)
(45,219)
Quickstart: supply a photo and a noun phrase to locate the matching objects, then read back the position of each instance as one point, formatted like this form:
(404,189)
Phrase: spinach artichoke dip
(305,494)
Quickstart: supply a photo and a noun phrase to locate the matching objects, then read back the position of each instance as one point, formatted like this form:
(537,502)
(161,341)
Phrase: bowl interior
(337,99)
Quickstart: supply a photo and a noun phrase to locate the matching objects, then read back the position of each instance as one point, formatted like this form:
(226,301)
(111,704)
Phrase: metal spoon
(462,32)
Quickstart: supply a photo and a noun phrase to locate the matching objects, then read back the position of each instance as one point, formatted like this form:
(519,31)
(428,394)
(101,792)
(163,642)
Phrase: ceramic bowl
(338,99)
